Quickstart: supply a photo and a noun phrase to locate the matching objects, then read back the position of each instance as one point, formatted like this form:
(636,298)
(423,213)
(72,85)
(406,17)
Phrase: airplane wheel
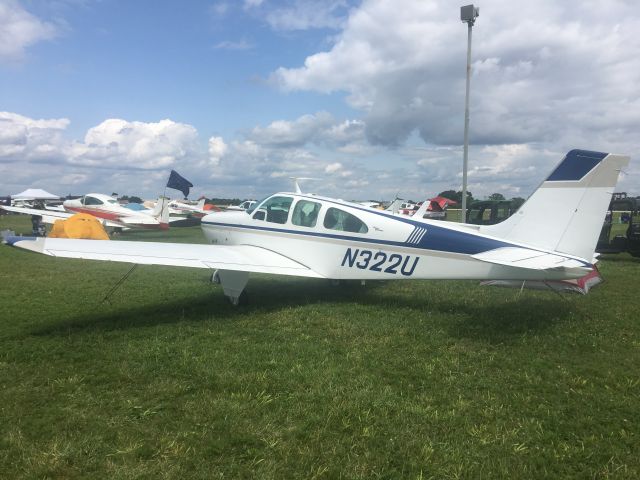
(215,278)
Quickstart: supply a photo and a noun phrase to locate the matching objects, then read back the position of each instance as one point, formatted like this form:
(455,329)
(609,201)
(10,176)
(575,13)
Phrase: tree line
(457,196)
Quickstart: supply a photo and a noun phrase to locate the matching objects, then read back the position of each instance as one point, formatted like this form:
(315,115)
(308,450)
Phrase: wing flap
(531,259)
(245,258)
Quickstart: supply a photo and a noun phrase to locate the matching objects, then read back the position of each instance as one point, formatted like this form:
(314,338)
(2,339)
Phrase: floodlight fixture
(469,13)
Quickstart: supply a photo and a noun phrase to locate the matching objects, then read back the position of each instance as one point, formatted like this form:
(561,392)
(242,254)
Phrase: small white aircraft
(552,237)
(243,207)
(107,209)
(197,209)
(433,208)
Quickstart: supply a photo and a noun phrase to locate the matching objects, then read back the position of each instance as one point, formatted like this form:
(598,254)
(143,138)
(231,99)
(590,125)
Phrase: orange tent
(80,225)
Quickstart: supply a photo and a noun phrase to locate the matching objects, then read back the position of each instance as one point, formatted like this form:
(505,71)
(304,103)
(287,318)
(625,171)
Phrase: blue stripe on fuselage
(437,238)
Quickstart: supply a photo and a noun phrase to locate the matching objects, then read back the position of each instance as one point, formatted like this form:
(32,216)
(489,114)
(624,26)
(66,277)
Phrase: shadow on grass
(492,321)
(502,322)
(265,297)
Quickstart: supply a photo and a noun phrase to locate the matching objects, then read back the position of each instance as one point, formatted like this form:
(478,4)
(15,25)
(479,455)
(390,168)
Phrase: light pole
(468,15)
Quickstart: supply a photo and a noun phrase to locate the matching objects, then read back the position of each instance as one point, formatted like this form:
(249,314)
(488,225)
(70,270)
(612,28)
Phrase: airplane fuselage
(364,243)
(107,208)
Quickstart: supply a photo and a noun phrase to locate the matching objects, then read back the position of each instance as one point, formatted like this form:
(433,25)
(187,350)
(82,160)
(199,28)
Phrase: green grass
(389,380)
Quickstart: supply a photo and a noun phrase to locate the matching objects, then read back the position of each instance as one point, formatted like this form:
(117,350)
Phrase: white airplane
(243,207)
(433,208)
(107,209)
(552,237)
(197,209)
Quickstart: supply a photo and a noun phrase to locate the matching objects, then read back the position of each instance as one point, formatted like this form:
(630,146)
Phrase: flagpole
(164,194)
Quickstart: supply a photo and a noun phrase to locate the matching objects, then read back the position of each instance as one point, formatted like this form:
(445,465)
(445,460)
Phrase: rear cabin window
(276,209)
(305,213)
(336,219)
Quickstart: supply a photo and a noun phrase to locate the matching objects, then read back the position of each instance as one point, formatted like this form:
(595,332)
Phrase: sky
(365,97)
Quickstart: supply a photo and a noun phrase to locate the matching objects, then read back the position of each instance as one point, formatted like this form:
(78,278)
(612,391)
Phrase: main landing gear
(233,283)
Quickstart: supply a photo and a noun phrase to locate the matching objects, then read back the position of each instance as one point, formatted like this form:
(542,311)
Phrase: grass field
(389,380)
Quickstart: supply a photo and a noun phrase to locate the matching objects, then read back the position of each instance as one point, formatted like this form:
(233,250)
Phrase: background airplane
(246,205)
(107,209)
(313,236)
(199,209)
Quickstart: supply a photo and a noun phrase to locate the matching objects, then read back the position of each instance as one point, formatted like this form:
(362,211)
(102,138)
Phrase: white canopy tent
(35,194)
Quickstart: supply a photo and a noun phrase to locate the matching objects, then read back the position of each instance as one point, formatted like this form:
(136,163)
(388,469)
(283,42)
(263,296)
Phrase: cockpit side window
(277,209)
(305,213)
(92,201)
(336,219)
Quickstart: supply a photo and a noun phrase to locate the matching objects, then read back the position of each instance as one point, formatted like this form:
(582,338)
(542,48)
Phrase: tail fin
(157,208)
(200,204)
(422,210)
(394,206)
(161,211)
(566,212)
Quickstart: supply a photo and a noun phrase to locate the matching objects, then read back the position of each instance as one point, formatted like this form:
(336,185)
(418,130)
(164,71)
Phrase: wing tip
(35,244)
(11,240)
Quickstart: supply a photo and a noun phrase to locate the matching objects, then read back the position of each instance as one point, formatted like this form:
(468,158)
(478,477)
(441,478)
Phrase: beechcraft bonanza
(108,210)
(552,237)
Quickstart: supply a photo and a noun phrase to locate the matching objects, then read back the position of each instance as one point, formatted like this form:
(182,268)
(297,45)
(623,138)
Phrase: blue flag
(177,182)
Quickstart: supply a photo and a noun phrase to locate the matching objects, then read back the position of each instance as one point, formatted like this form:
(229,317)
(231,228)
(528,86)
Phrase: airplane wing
(532,259)
(50,216)
(244,258)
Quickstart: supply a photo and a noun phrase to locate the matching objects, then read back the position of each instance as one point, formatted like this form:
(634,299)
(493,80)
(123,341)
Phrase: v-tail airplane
(551,237)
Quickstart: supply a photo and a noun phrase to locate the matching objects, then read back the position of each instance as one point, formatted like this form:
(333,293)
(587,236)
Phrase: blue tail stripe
(576,165)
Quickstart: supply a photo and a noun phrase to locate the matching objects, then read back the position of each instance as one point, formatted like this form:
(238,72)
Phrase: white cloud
(285,133)
(219,9)
(139,145)
(231,45)
(252,3)
(217,150)
(333,167)
(28,139)
(19,30)
(320,128)
(114,155)
(544,72)
(304,14)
